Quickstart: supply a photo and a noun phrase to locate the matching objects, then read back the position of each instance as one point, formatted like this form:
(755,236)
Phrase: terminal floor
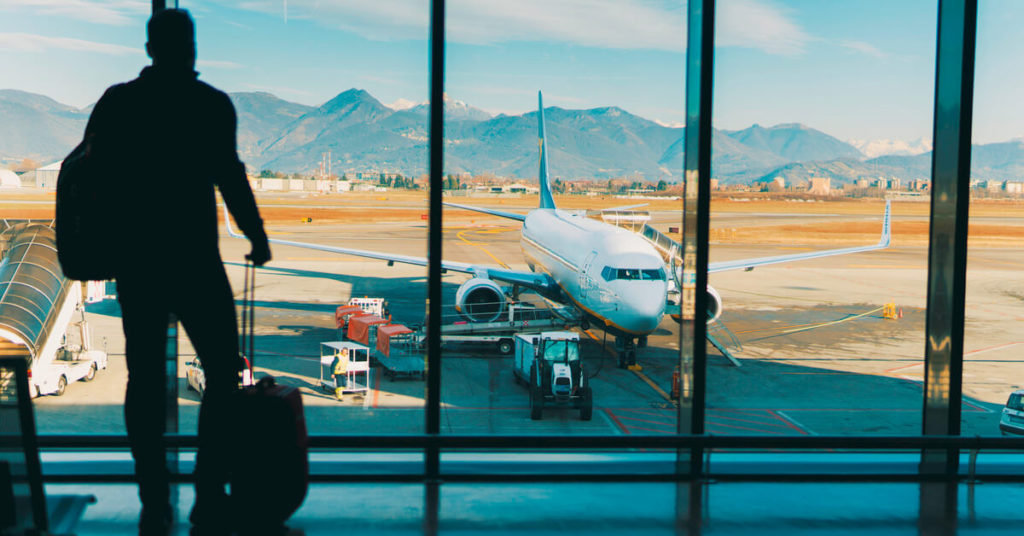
(595,509)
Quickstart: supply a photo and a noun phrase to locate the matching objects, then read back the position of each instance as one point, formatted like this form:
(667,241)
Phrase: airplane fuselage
(614,276)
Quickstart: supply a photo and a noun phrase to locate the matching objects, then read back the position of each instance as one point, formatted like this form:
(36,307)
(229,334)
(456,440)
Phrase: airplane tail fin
(546,200)
(886,229)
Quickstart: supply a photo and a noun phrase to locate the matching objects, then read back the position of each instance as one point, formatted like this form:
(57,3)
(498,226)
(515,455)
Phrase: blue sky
(855,69)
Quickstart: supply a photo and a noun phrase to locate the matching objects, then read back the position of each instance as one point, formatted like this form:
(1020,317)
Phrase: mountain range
(362,134)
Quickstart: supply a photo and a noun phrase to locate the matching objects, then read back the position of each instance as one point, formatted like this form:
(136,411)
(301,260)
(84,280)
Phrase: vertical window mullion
(947,245)
(696,201)
(433,389)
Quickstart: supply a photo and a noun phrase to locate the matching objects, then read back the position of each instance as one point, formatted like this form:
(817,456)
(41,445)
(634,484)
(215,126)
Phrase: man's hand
(260,253)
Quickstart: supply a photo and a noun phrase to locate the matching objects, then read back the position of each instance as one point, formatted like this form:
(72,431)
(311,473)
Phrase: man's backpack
(86,225)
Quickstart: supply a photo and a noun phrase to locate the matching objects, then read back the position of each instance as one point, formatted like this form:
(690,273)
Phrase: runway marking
(653,385)
(327,257)
(792,422)
(616,420)
(747,428)
(769,412)
(912,365)
(993,348)
(796,328)
(885,266)
(480,246)
(617,427)
(655,430)
(660,423)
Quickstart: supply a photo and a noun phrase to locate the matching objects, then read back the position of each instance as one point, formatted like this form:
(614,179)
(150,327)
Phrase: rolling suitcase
(270,462)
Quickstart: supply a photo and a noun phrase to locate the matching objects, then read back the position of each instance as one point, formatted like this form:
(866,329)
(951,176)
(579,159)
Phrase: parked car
(1012,420)
(195,377)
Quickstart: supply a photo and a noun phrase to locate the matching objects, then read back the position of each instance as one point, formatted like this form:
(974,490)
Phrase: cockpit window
(633,274)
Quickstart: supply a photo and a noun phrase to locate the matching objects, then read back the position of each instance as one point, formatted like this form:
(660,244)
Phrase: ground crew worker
(340,372)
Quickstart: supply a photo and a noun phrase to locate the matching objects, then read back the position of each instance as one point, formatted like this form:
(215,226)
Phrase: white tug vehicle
(549,364)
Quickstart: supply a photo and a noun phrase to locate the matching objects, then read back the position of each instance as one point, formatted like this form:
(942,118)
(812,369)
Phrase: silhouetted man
(169,140)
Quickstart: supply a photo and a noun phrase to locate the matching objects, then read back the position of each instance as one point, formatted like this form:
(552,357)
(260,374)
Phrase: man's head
(171,40)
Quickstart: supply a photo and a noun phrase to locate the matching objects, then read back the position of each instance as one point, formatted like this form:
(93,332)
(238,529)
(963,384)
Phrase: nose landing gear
(626,347)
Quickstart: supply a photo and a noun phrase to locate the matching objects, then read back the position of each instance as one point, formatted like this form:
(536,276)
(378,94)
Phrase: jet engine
(714,301)
(714,304)
(480,300)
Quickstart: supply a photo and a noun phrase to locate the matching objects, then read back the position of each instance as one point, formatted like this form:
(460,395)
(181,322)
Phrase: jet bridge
(37,304)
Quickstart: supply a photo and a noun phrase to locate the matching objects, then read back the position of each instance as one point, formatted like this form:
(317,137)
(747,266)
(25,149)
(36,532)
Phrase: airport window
(547,217)
(814,138)
(992,305)
(847,94)
(56,64)
(333,129)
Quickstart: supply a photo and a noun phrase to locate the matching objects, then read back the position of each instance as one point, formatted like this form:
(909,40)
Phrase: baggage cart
(356,363)
(399,353)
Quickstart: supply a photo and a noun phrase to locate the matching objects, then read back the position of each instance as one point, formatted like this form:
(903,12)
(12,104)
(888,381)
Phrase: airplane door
(586,282)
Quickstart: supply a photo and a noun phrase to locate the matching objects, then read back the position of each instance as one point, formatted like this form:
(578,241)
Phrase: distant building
(8,179)
(1014,188)
(519,188)
(820,186)
(714,184)
(919,185)
(863,183)
(46,176)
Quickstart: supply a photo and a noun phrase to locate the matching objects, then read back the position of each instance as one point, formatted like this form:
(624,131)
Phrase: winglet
(546,200)
(886,229)
(227,223)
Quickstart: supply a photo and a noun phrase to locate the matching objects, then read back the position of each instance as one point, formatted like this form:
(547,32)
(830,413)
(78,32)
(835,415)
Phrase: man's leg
(207,311)
(144,319)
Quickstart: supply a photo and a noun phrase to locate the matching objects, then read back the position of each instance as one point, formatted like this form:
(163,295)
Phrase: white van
(1012,420)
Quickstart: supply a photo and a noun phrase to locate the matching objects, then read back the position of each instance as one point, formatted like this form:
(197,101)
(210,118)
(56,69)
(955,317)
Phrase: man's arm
(234,188)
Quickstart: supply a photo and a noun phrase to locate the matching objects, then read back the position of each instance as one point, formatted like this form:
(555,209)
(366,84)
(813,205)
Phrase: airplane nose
(647,308)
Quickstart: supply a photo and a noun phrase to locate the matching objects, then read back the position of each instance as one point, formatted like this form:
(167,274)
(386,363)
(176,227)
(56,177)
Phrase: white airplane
(615,278)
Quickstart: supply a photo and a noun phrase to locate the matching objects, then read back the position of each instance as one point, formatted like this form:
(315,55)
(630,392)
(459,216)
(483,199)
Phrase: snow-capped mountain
(882,147)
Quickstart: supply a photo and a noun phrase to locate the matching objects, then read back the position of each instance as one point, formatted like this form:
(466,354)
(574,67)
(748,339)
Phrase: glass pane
(333,132)
(57,60)
(991,379)
(822,116)
(560,267)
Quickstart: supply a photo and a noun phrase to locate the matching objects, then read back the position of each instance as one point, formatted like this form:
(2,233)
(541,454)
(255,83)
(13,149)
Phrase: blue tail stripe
(546,200)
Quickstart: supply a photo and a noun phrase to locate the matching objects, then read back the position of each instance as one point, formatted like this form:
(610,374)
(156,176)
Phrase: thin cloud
(113,12)
(217,64)
(758,24)
(613,24)
(23,42)
(864,48)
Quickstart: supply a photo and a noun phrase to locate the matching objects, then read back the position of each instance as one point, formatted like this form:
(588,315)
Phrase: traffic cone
(901,313)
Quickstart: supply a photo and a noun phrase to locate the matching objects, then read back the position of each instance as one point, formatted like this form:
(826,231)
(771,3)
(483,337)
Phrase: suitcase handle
(246,342)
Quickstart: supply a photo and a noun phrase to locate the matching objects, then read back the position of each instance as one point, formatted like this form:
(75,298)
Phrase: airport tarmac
(817,357)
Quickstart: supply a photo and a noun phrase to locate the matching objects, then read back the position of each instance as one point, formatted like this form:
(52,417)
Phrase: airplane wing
(749,264)
(491,211)
(539,282)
